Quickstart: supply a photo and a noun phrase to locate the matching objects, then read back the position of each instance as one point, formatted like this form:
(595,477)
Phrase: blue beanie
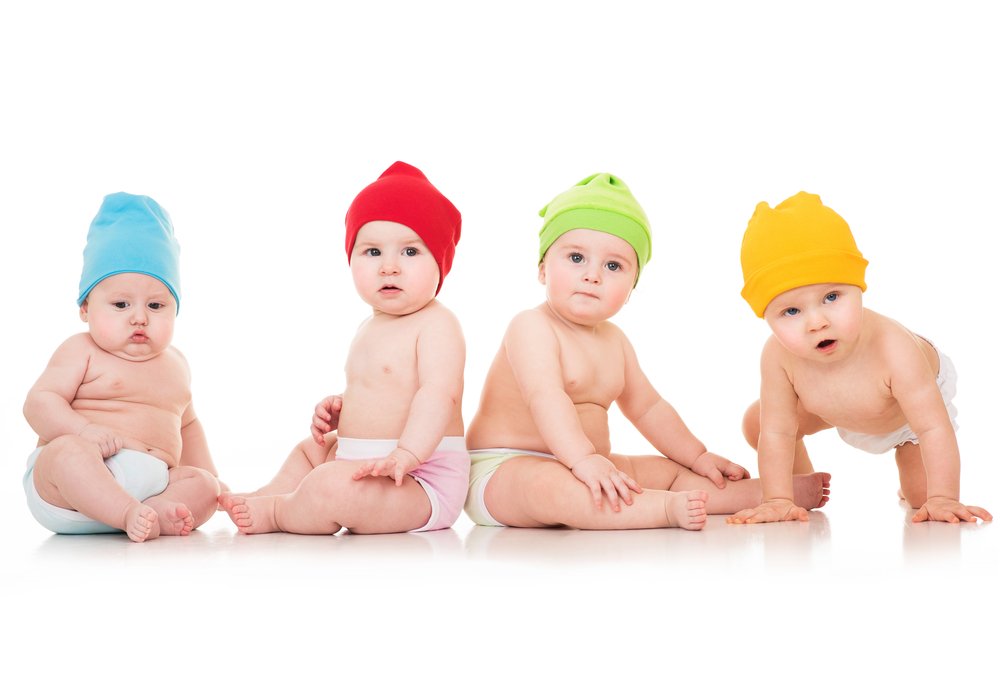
(131,234)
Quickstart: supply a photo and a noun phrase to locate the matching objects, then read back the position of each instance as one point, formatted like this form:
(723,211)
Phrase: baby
(541,448)
(833,363)
(120,447)
(397,461)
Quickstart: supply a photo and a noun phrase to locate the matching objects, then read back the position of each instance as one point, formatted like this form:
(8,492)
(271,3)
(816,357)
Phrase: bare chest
(593,370)
(162,383)
(382,355)
(859,398)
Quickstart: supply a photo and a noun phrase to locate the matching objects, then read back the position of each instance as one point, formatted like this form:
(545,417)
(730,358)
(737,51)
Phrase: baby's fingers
(595,493)
(609,488)
(740,517)
(737,472)
(622,486)
(717,479)
(981,513)
(398,475)
(365,470)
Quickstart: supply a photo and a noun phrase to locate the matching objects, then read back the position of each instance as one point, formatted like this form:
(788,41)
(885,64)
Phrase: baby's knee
(199,480)
(751,424)
(318,454)
(328,481)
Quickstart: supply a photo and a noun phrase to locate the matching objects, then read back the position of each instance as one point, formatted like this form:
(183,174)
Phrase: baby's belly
(868,422)
(143,428)
(377,418)
(594,420)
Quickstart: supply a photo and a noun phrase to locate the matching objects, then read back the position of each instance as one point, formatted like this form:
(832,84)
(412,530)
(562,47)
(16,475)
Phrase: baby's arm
(194,443)
(660,423)
(534,355)
(47,407)
(776,445)
(914,385)
(440,376)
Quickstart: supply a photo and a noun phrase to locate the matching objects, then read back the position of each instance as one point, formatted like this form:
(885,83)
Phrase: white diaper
(140,474)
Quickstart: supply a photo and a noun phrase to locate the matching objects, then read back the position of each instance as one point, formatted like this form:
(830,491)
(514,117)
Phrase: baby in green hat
(540,442)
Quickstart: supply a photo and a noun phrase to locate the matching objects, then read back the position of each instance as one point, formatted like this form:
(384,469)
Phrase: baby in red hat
(388,455)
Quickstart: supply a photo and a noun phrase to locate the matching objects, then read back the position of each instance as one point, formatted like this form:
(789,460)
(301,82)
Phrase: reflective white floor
(841,589)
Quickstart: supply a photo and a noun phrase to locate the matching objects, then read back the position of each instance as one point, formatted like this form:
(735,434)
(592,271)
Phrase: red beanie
(404,195)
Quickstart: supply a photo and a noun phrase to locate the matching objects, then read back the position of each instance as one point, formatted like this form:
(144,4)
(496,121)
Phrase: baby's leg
(328,498)
(912,475)
(70,473)
(656,472)
(536,492)
(306,456)
(808,424)
(189,500)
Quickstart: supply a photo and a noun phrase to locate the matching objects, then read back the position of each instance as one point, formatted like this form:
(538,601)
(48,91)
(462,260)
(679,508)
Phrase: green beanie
(600,202)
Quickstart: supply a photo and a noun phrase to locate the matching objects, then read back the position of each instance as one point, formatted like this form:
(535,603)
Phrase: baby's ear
(83,310)
(541,271)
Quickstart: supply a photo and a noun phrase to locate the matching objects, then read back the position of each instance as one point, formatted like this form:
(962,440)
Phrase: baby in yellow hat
(540,442)
(833,363)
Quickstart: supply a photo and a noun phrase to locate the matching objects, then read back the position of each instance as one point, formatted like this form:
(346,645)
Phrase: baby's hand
(775,510)
(326,417)
(938,509)
(717,468)
(106,439)
(396,465)
(600,474)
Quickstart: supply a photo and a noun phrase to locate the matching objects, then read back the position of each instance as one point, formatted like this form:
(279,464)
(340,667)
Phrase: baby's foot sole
(252,516)
(141,523)
(812,491)
(687,509)
(175,519)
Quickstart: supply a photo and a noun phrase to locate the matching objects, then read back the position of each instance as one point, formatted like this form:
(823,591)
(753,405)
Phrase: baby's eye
(613,266)
(791,312)
(411,251)
(156,305)
(576,257)
(831,297)
(372,251)
(120,305)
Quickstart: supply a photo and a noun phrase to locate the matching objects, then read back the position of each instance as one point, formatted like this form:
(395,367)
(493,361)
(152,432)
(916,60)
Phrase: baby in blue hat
(120,447)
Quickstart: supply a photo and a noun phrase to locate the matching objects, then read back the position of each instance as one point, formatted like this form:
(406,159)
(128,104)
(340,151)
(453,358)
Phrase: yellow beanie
(799,242)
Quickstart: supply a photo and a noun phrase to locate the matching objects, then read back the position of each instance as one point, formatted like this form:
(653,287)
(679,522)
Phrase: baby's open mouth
(825,344)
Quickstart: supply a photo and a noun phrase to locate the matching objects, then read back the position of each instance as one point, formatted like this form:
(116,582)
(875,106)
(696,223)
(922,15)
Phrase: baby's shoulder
(437,317)
(533,321)
(888,335)
(79,345)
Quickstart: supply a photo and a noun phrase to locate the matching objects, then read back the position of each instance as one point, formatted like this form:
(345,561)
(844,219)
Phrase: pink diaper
(444,476)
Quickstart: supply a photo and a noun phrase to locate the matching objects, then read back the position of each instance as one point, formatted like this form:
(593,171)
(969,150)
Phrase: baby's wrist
(415,459)
(571,464)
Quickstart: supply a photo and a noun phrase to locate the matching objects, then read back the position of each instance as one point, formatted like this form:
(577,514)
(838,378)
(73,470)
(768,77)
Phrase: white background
(254,124)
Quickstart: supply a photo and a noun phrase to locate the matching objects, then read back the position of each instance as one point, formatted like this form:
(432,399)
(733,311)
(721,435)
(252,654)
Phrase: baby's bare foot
(141,523)
(811,491)
(686,509)
(252,515)
(226,499)
(175,518)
